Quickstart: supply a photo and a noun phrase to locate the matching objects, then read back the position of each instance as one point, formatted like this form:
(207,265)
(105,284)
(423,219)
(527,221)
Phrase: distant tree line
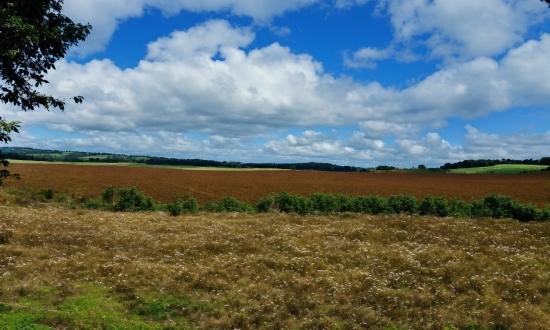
(32,154)
(492,162)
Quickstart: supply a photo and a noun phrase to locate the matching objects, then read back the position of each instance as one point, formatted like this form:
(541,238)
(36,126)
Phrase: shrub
(288,203)
(526,212)
(370,205)
(441,207)
(427,206)
(229,204)
(500,206)
(95,204)
(46,193)
(108,195)
(174,208)
(324,203)
(343,203)
(265,204)
(403,204)
(130,199)
(458,208)
(545,216)
(478,209)
(190,205)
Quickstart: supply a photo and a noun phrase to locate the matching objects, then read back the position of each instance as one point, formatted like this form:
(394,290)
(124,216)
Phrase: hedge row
(495,206)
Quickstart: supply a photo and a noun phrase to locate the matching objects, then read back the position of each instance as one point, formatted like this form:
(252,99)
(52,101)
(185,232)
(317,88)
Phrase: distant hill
(470,163)
(18,153)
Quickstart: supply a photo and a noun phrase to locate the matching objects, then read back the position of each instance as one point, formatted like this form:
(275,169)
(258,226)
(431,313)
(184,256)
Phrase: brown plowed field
(164,184)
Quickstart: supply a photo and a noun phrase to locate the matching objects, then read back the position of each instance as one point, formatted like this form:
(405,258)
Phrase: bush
(130,199)
(403,204)
(343,203)
(190,205)
(458,208)
(427,206)
(229,204)
(174,208)
(265,204)
(95,204)
(183,205)
(441,207)
(324,203)
(370,205)
(47,193)
(526,212)
(288,203)
(545,215)
(478,209)
(500,206)
(108,195)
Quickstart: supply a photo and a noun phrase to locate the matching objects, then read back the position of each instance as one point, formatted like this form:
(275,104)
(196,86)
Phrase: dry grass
(273,271)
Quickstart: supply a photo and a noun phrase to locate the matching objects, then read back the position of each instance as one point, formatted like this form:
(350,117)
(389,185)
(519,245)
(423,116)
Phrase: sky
(349,82)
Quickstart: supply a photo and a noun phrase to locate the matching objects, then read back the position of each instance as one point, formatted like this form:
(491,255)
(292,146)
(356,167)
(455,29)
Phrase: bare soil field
(164,184)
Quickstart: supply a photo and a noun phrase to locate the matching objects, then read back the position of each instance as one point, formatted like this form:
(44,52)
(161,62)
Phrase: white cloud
(367,57)
(451,30)
(513,146)
(201,81)
(105,15)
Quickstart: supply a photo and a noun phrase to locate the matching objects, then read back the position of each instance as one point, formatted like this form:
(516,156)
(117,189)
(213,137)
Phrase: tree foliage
(34,34)
(5,129)
(547,1)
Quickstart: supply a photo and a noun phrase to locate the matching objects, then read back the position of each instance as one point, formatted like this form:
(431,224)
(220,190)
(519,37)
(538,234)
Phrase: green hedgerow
(265,204)
(459,208)
(130,199)
(370,205)
(403,204)
(289,203)
(229,204)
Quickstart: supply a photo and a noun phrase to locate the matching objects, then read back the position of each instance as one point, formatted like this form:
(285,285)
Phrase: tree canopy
(34,35)
(547,1)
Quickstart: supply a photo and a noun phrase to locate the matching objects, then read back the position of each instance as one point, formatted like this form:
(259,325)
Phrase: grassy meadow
(66,269)
(500,169)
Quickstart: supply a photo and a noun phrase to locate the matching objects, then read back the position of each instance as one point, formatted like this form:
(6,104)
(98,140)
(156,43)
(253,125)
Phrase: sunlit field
(164,184)
(500,169)
(67,269)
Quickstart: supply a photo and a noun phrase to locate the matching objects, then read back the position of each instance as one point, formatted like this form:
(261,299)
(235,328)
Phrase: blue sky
(352,82)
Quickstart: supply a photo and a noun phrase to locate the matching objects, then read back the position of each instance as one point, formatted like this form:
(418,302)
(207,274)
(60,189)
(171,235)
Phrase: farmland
(164,184)
(499,169)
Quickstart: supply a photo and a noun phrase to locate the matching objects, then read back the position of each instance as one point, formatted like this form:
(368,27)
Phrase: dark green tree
(422,166)
(34,34)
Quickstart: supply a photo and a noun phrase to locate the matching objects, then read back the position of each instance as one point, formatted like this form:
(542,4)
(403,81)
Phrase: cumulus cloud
(367,57)
(105,15)
(455,31)
(201,80)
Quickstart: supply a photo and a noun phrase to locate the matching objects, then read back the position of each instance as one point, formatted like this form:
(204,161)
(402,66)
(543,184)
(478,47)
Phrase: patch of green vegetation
(499,169)
(97,308)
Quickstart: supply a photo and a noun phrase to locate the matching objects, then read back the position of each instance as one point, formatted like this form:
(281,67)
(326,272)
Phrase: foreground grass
(100,270)
(500,169)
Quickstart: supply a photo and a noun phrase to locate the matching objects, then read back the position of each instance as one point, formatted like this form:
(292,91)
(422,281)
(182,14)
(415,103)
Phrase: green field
(180,167)
(499,169)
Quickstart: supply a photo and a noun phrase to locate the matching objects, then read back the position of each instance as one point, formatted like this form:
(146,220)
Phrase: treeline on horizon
(469,163)
(18,153)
